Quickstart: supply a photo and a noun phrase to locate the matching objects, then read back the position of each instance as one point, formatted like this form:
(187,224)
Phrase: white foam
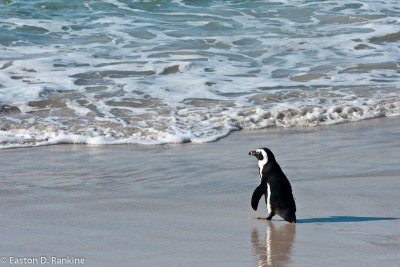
(190,72)
(119,4)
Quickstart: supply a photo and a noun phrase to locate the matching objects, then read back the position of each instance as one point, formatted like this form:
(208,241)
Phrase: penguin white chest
(261,167)
(268,198)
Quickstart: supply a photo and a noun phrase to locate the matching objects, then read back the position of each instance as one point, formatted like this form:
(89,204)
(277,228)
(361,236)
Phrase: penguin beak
(252,153)
(256,154)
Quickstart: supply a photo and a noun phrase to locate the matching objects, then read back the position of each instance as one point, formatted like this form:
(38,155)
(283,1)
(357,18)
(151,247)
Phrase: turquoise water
(154,72)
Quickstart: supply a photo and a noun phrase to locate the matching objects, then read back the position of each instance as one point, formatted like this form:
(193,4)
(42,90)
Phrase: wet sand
(189,205)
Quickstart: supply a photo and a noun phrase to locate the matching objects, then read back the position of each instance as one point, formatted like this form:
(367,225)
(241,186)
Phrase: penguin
(275,186)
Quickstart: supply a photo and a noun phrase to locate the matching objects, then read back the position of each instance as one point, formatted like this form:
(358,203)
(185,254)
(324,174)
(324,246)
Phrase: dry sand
(189,205)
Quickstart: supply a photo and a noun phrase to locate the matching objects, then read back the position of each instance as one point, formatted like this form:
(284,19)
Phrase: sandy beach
(189,205)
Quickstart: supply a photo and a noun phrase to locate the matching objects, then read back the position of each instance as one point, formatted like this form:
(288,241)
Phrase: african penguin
(274,186)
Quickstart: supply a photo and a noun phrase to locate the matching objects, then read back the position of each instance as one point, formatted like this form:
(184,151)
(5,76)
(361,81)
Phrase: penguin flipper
(257,194)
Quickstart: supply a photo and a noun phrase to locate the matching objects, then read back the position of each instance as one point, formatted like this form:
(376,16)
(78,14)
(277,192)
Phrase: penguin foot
(289,218)
(270,216)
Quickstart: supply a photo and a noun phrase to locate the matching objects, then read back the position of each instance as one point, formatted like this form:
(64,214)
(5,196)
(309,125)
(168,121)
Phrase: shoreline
(189,204)
(217,139)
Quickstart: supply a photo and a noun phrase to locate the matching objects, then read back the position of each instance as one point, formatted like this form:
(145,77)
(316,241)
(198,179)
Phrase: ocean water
(155,72)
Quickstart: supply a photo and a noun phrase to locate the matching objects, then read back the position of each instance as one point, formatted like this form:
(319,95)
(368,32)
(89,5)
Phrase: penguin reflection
(275,250)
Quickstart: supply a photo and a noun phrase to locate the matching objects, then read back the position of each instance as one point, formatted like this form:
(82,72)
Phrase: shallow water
(151,72)
(189,205)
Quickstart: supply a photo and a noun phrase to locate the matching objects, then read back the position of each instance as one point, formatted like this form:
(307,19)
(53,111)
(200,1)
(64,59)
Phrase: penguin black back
(274,186)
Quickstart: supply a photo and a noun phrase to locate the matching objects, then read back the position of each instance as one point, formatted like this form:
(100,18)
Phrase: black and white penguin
(274,186)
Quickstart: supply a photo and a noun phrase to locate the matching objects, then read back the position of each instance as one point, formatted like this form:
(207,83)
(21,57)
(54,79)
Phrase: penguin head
(263,154)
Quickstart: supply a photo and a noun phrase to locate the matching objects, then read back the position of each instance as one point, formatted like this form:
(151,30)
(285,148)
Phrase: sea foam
(144,72)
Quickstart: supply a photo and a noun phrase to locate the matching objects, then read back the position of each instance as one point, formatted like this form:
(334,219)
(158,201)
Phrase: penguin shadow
(345,219)
(276,247)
